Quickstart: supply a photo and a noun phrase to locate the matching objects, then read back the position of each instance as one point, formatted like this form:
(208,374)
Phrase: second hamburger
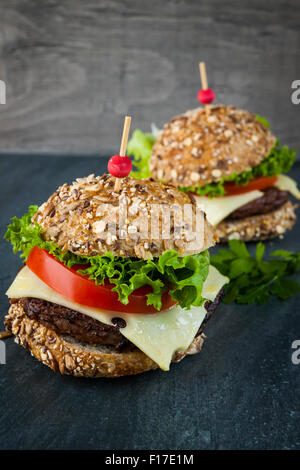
(232,164)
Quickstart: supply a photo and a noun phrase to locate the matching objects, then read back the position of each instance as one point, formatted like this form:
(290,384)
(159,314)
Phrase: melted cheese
(157,335)
(218,208)
(285,183)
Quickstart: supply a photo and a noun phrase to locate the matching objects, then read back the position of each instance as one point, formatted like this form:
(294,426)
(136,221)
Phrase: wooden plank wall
(73,68)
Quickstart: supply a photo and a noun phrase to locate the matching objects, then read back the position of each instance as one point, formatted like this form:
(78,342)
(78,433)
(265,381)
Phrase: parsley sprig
(252,279)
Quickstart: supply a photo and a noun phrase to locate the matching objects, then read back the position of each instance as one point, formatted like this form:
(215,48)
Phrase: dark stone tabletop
(240,392)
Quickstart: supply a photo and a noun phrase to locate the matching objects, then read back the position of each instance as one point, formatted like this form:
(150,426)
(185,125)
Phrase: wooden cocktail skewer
(123,147)
(206,95)
(125,135)
(203,76)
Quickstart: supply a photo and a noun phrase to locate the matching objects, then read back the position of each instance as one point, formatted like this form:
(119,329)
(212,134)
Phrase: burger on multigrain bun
(231,162)
(97,298)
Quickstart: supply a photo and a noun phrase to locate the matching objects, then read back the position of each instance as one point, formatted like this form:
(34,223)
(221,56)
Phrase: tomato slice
(78,288)
(261,182)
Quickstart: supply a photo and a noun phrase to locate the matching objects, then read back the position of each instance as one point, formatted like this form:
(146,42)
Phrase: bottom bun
(66,355)
(258,227)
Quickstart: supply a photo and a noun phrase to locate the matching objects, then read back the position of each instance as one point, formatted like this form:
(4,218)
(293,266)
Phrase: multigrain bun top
(194,149)
(89,218)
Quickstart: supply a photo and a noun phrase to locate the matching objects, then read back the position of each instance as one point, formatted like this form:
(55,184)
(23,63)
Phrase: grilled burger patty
(271,200)
(63,320)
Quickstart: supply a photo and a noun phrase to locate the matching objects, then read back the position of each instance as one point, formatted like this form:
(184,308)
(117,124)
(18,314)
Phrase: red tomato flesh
(261,182)
(78,288)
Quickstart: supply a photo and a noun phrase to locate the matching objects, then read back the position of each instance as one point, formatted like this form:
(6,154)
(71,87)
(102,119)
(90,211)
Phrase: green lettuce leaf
(279,160)
(140,146)
(183,277)
(263,121)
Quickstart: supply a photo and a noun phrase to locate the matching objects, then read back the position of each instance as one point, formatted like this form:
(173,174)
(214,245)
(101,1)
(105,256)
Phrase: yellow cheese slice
(218,208)
(157,335)
(285,183)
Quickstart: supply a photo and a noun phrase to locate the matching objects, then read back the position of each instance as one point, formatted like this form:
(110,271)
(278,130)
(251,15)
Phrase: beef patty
(63,320)
(271,200)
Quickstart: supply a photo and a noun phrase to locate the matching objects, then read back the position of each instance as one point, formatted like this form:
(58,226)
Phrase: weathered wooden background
(73,68)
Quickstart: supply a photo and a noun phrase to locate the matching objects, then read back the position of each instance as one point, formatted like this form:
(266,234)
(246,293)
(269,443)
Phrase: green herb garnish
(252,279)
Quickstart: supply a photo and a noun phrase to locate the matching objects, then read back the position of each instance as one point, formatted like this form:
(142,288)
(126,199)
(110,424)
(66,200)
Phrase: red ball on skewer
(119,166)
(206,96)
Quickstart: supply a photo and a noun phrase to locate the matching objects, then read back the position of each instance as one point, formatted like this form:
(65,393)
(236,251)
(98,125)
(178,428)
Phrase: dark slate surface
(241,392)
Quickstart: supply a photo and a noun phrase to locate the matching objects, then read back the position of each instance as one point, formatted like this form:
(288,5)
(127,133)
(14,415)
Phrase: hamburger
(99,294)
(231,162)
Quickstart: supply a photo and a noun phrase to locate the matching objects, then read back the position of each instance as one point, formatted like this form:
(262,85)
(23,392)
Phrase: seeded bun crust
(259,227)
(194,149)
(65,355)
(83,218)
